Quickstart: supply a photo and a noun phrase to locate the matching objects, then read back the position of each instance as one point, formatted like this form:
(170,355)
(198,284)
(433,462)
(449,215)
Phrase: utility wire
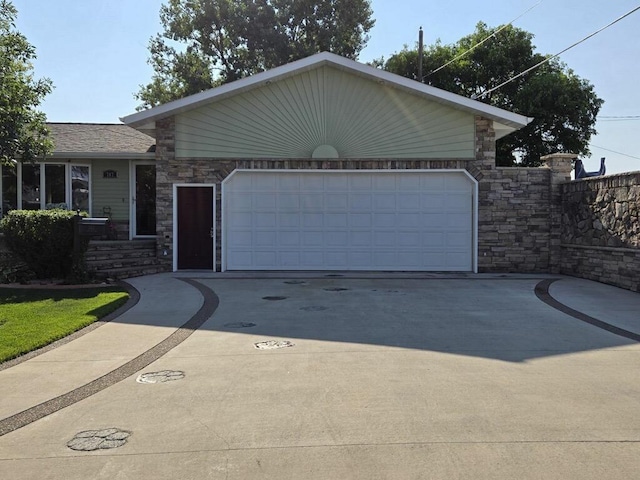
(613,151)
(480,42)
(617,118)
(484,94)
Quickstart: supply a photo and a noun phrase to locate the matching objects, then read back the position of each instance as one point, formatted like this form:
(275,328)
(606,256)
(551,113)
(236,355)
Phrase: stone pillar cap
(570,156)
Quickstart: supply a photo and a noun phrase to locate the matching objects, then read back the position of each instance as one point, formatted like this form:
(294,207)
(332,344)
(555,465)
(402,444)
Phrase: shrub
(44,240)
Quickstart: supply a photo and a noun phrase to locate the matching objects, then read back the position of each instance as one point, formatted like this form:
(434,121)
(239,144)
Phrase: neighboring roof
(504,121)
(99,139)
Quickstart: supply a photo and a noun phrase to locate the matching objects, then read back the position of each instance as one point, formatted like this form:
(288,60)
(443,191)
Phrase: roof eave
(144,121)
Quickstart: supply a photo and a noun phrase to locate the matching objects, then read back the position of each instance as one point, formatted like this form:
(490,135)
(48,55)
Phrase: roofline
(99,155)
(144,120)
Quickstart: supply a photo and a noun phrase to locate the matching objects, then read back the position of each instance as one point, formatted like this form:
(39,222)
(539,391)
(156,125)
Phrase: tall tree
(23,132)
(563,105)
(209,42)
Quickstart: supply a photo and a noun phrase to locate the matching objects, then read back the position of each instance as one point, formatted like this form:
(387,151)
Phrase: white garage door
(348,220)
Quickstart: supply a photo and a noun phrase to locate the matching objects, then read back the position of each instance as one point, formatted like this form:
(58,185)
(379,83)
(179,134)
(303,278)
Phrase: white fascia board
(145,119)
(104,156)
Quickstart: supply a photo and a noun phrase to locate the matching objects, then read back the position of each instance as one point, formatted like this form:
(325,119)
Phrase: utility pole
(420,54)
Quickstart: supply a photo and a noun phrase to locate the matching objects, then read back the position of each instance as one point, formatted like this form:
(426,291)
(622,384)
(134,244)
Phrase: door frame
(474,198)
(174,245)
(132,195)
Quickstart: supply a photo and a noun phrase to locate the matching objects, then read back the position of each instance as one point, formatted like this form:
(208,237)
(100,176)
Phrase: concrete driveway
(442,377)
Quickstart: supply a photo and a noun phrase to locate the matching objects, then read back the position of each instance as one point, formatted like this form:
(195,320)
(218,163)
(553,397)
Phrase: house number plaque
(110,174)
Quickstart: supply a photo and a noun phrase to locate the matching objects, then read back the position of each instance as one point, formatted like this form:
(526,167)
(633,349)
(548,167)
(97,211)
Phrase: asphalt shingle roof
(99,138)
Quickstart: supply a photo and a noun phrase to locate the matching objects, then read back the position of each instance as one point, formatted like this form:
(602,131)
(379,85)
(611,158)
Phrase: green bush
(44,240)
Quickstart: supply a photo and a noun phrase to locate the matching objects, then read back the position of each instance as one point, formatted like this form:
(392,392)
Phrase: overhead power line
(617,118)
(484,94)
(613,151)
(480,42)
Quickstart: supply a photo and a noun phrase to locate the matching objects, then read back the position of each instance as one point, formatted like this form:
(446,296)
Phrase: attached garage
(349,220)
(325,164)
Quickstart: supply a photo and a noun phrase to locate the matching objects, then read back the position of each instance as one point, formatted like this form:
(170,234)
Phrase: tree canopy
(563,105)
(206,43)
(23,132)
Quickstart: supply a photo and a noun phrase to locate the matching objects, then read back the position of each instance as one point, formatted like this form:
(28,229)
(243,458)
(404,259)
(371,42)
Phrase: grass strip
(33,318)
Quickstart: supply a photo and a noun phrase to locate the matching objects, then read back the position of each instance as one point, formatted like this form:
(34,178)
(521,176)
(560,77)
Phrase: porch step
(129,272)
(117,259)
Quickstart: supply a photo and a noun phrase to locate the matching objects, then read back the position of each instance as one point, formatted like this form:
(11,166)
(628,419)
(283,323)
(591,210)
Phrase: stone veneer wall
(601,229)
(515,225)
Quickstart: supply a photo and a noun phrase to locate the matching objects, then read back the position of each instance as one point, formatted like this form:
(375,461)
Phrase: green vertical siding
(357,116)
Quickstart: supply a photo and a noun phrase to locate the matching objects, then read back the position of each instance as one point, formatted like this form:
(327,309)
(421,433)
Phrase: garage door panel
(266,239)
(287,202)
(265,219)
(360,220)
(313,220)
(312,239)
(289,239)
(336,182)
(361,182)
(336,220)
(336,238)
(339,201)
(288,220)
(385,201)
(408,182)
(360,239)
(408,202)
(358,202)
(384,220)
(408,220)
(433,239)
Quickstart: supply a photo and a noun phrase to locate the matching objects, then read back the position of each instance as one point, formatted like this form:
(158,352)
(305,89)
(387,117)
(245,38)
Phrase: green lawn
(30,319)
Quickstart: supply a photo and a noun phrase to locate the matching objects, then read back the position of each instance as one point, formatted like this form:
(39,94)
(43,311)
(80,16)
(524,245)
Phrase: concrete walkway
(405,376)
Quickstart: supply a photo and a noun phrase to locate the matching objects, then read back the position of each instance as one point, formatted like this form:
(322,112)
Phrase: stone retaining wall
(601,229)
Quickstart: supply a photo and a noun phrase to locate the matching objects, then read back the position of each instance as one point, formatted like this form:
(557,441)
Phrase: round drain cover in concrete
(273,344)
(160,377)
(336,289)
(295,282)
(90,440)
(314,308)
(274,298)
(239,325)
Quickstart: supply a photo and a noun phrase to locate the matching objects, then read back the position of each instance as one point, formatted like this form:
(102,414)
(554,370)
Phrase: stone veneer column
(560,165)
(482,168)
(165,154)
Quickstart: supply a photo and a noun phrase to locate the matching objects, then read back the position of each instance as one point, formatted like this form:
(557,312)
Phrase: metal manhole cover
(295,282)
(336,289)
(160,377)
(274,298)
(314,308)
(273,344)
(240,325)
(90,440)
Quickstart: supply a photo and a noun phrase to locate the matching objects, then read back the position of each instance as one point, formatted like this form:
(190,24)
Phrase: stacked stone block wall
(515,221)
(601,229)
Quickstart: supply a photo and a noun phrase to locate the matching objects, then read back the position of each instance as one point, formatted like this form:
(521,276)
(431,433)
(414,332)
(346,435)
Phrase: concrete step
(108,255)
(129,272)
(106,264)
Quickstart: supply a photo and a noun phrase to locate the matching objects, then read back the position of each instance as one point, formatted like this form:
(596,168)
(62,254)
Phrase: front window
(80,187)
(9,189)
(42,186)
(31,187)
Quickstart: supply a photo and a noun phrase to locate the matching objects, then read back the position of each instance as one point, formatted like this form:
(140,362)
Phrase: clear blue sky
(95,51)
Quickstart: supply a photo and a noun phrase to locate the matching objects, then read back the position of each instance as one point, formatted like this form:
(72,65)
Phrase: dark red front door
(195,225)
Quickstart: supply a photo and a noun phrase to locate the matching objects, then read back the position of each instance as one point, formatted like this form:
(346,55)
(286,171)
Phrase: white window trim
(132,197)
(67,180)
